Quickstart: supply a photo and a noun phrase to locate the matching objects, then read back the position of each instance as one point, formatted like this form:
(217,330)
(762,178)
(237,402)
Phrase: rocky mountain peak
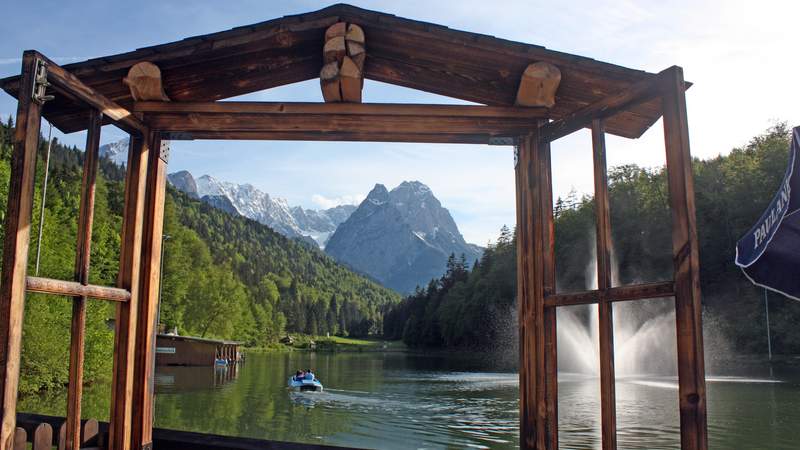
(400,237)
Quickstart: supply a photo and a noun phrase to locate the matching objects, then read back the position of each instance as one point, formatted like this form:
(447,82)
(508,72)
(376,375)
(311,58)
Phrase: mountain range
(401,238)
(313,226)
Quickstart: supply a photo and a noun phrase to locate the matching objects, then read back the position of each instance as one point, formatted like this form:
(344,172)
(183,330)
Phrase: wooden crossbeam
(635,94)
(615,294)
(338,121)
(62,80)
(74,289)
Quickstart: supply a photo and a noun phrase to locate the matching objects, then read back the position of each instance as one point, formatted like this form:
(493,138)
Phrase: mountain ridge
(402,237)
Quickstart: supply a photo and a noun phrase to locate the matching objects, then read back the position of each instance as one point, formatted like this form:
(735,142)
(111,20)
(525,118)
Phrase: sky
(740,55)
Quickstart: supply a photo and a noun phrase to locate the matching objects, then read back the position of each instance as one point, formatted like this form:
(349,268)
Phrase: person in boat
(298,375)
(309,375)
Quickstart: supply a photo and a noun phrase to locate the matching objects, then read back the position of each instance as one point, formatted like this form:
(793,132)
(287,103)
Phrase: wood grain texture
(129,279)
(82,264)
(43,437)
(663,289)
(75,289)
(538,85)
(418,55)
(686,262)
(144,370)
(604,108)
(605,316)
(15,248)
(144,81)
(69,85)
(538,430)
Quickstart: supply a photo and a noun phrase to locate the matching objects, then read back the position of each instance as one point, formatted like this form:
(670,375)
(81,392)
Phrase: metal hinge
(163,152)
(40,83)
(516,156)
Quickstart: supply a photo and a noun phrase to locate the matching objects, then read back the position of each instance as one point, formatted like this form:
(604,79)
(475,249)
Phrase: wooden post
(686,259)
(535,277)
(15,246)
(82,257)
(605,314)
(126,316)
(143,386)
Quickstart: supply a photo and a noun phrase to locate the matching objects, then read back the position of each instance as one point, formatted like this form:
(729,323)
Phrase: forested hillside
(475,308)
(224,276)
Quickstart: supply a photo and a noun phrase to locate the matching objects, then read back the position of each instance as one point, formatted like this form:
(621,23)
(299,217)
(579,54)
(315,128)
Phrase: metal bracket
(163,152)
(502,140)
(516,156)
(40,83)
(148,446)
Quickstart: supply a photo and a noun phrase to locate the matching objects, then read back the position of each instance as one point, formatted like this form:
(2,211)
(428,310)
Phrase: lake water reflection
(409,400)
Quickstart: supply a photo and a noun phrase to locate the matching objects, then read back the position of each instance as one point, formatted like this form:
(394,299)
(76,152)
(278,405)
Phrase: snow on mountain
(116,152)
(402,237)
(245,199)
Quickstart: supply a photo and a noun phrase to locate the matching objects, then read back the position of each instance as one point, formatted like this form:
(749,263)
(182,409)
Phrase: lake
(412,400)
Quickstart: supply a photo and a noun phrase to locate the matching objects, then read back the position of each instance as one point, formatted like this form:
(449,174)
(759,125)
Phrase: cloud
(326,202)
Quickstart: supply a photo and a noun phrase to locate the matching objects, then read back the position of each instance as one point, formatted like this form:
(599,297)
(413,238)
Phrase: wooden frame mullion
(144,371)
(15,245)
(129,277)
(686,262)
(604,282)
(82,263)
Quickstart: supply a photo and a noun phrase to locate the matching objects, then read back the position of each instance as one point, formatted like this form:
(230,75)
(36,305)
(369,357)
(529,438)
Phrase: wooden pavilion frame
(201,70)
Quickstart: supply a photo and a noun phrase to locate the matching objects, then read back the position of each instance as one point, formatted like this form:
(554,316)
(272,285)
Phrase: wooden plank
(604,282)
(535,431)
(20,439)
(63,80)
(662,289)
(91,436)
(126,316)
(548,263)
(43,437)
(356,109)
(82,263)
(15,247)
(433,138)
(686,262)
(75,289)
(144,371)
(635,94)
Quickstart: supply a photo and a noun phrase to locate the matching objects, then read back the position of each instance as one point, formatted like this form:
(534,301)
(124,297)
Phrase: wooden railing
(38,430)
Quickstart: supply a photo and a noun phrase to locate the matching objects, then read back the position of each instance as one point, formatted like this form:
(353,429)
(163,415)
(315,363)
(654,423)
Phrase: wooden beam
(433,138)
(347,109)
(82,263)
(15,247)
(686,262)
(635,94)
(150,278)
(339,121)
(74,289)
(63,80)
(615,294)
(537,430)
(548,262)
(126,316)
(604,283)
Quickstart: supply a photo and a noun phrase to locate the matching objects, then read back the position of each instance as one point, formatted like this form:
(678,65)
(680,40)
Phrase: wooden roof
(418,55)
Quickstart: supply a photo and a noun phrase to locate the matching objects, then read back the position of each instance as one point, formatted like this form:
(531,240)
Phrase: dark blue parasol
(769,254)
